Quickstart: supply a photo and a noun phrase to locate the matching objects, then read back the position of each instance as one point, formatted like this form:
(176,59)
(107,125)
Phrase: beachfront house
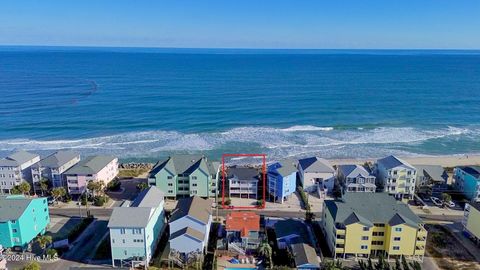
(471,221)
(467,181)
(396,177)
(52,167)
(185,175)
(243,231)
(361,225)
(356,178)
(305,256)
(430,175)
(15,168)
(316,174)
(93,168)
(190,224)
(282,180)
(22,219)
(243,182)
(136,228)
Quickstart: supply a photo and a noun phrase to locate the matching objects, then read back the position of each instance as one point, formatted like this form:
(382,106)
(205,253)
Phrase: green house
(185,176)
(22,219)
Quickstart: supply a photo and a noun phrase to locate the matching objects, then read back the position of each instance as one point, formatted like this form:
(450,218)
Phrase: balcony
(340,241)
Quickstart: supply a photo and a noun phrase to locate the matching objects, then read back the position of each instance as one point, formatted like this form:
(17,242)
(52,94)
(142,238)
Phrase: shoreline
(446,161)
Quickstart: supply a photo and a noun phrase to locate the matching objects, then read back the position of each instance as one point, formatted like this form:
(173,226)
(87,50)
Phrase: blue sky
(341,24)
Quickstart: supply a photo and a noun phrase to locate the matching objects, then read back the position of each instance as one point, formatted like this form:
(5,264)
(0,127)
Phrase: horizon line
(233,48)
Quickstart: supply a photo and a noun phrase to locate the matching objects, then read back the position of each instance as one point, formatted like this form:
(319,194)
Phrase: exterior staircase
(234,247)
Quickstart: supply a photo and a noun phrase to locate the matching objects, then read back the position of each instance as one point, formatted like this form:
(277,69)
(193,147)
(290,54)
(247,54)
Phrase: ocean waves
(277,143)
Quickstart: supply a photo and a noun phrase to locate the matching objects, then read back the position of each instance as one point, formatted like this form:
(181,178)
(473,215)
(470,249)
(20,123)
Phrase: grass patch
(131,173)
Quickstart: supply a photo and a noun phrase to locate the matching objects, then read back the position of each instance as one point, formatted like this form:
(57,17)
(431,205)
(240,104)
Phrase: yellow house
(361,225)
(471,221)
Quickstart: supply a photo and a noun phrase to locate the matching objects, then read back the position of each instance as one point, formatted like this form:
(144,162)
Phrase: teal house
(22,219)
(467,181)
(185,176)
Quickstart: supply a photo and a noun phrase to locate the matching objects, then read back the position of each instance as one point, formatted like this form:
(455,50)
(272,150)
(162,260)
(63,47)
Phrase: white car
(450,204)
(436,201)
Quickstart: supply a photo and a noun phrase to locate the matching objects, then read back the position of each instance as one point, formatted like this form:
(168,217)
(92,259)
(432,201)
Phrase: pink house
(94,168)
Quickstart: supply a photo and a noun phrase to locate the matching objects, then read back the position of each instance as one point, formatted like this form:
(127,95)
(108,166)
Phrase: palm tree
(265,250)
(58,192)
(24,188)
(43,241)
(44,185)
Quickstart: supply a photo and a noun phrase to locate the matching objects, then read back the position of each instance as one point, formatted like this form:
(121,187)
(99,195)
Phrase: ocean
(143,104)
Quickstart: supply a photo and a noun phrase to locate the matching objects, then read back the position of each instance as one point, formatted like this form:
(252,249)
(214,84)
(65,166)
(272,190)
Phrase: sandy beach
(445,161)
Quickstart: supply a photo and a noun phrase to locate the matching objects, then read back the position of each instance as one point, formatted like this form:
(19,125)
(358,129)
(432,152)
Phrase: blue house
(22,219)
(467,181)
(282,179)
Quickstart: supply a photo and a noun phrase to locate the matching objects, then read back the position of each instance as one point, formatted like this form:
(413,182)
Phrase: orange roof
(243,222)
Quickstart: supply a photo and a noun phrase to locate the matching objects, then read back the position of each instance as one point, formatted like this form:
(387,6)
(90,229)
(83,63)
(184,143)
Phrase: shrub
(114,185)
(228,201)
(32,266)
(303,196)
(100,200)
(77,230)
(52,253)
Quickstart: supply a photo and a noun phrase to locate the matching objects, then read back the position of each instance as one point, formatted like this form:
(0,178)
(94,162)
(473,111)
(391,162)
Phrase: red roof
(243,222)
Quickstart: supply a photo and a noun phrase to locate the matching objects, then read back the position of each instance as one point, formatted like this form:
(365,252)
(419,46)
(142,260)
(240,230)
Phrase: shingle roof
(190,232)
(304,254)
(393,161)
(183,164)
(196,207)
(284,167)
(243,222)
(137,214)
(130,217)
(243,173)
(13,206)
(150,197)
(17,158)
(90,165)
(436,172)
(57,159)
(354,171)
(315,164)
(372,207)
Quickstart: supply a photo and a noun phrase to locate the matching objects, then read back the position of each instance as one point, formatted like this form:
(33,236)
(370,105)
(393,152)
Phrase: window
(194,184)
(379,225)
(364,247)
(123,240)
(194,178)
(122,231)
(137,231)
(396,239)
(378,233)
(377,243)
(364,238)
(396,248)
(170,191)
(16,239)
(113,241)
(398,229)
(125,252)
(365,229)
(14,230)
(14,221)
(169,177)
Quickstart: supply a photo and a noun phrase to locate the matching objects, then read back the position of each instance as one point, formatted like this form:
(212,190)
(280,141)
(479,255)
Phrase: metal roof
(354,171)
(305,254)
(243,173)
(436,172)
(18,158)
(190,232)
(184,164)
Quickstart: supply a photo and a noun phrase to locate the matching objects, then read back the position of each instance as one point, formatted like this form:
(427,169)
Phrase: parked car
(436,201)
(450,204)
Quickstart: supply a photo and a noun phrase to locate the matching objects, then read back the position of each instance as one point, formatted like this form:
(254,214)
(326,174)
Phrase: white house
(136,228)
(190,228)
(15,169)
(243,182)
(396,176)
(52,168)
(355,178)
(316,174)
